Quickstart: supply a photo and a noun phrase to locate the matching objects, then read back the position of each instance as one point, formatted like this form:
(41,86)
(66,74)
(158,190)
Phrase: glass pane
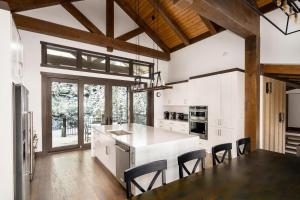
(64,114)
(140,108)
(119,66)
(94,108)
(119,105)
(61,57)
(93,62)
(141,70)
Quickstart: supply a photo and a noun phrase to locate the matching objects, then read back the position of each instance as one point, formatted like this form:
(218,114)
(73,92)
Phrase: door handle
(281,117)
(118,147)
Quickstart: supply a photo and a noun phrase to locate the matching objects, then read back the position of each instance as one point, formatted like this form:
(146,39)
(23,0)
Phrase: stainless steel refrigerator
(22,143)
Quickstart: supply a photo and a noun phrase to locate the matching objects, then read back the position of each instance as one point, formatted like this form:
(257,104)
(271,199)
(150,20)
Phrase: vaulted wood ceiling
(170,26)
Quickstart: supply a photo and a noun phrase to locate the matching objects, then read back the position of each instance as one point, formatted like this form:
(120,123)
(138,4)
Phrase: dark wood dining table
(260,175)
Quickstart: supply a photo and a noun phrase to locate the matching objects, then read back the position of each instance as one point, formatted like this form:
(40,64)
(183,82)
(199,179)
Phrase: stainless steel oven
(199,121)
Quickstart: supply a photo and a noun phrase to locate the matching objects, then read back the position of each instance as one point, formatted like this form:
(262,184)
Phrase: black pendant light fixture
(290,9)
(156,82)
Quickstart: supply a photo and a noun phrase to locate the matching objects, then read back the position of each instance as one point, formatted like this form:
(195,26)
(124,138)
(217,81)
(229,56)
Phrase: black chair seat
(243,146)
(157,166)
(198,155)
(220,148)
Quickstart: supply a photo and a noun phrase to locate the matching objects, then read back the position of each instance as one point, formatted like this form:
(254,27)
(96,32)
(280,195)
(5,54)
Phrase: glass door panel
(140,101)
(119,104)
(64,112)
(94,108)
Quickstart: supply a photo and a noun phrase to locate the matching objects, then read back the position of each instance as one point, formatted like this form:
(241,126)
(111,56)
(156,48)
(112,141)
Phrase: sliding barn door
(274,115)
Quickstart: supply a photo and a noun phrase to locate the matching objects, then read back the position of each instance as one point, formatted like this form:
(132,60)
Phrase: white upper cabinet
(178,96)
(226,101)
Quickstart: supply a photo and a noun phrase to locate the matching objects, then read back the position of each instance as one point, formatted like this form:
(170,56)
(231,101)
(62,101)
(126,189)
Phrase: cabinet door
(192,94)
(167,97)
(181,128)
(111,155)
(212,95)
(180,94)
(226,101)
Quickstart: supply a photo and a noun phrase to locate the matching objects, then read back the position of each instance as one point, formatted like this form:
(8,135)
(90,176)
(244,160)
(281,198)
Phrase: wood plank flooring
(73,175)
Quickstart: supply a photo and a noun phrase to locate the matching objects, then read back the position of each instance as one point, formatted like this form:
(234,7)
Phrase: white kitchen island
(145,143)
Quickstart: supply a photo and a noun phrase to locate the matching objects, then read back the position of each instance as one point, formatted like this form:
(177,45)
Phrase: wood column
(252,89)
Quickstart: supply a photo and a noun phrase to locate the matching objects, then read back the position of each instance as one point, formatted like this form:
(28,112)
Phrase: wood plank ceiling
(170,26)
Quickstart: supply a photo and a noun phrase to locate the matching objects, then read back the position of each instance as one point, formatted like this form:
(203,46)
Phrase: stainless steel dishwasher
(122,161)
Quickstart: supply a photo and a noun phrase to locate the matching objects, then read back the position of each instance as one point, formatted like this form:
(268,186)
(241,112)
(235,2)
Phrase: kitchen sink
(119,132)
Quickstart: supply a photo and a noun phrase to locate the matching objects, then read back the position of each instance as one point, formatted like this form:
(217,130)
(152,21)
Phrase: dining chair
(131,174)
(243,146)
(198,155)
(225,148)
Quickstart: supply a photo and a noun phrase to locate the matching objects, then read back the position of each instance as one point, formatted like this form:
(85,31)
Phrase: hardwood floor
(73,175)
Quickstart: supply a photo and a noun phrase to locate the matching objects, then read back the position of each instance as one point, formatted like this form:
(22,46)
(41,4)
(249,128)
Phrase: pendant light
(156,82)
(138,85)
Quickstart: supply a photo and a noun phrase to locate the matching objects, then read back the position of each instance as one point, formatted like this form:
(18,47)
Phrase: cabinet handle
(106,150)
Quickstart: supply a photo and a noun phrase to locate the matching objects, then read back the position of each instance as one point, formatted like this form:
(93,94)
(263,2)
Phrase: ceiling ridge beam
(140,22)
(19,5)
(168,19)
(57,30)
(110,14)
(131,34)
(81,18)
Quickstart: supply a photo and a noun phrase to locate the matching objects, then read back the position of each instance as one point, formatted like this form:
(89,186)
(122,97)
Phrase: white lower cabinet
(105,151)
(175,126)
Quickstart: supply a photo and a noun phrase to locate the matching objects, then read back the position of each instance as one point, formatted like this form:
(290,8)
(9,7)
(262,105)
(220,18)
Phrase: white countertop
(140,135)
(175,120)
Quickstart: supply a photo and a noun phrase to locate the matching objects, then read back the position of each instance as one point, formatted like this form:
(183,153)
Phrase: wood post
(252,89)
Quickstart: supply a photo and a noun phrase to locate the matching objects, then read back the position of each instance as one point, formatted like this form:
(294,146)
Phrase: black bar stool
(246,142)
(156,166)
(193,155)
(222,147)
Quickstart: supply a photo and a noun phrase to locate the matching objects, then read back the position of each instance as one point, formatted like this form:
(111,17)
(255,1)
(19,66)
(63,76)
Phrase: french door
(73,105)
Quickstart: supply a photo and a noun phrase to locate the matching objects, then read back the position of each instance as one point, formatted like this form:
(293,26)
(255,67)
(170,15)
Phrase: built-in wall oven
(199,121)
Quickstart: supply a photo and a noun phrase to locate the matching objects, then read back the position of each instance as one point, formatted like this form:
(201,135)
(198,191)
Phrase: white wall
(277,48)
(10,73)
(32,50)
(222,51)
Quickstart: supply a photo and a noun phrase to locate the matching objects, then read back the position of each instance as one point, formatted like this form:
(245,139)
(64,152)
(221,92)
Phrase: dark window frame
(81,80)
(79,67)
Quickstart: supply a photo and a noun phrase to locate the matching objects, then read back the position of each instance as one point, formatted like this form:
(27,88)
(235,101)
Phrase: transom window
(57,56)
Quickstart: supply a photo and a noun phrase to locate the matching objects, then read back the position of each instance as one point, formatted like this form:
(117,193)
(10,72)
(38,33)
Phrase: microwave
(199,113)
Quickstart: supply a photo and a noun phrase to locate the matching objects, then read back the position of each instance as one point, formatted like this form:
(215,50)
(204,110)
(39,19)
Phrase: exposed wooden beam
(81,18)
(234,15)
(192,41)
(280,69)
(130,34)
(252,89)
(168,19)
(110,13)
(48,28)
(140,22)
(22,5)
(211,27)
